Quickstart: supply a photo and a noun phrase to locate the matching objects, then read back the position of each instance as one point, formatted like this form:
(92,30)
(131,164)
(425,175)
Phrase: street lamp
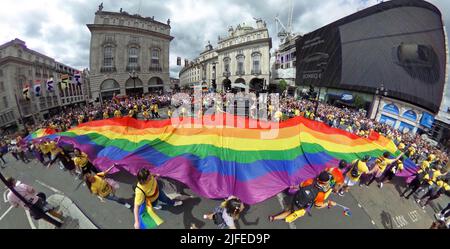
(133,75)
(381,91)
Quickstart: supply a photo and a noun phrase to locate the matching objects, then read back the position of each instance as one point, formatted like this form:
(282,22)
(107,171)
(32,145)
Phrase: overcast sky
(58,27)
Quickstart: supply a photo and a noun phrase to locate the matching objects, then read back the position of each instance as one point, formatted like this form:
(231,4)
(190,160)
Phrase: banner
(77,79)
(37,88)
(64,81)
(50,87)
(26,92)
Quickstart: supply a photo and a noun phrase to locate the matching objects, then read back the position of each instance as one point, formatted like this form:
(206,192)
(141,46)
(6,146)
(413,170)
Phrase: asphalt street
(370,207)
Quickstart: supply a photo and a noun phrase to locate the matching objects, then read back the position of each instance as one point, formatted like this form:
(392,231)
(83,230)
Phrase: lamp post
(381,91)
(133,75)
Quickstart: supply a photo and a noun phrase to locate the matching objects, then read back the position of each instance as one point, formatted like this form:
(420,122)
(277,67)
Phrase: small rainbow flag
(39,133)
(218,157)
(148,219)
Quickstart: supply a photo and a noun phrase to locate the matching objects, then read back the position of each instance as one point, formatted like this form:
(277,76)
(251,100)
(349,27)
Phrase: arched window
(226,65)
(256,62)
(133,57)
(108,56)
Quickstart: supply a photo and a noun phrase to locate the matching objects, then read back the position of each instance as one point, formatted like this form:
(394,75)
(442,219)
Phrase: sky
(57,28)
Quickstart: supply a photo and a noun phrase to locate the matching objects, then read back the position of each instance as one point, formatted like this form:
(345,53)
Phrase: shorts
(349,182)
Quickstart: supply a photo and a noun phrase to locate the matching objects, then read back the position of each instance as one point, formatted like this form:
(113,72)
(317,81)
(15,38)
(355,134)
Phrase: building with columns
(240,62)
(21,66)
(129,54)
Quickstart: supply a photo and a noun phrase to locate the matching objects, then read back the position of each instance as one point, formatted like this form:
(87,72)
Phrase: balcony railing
(133,68)
(108,69)
(155,68)
(256,71)
(240,72)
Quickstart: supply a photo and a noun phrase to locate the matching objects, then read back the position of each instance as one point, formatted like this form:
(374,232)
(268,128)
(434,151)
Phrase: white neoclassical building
(129,54)
(240,62)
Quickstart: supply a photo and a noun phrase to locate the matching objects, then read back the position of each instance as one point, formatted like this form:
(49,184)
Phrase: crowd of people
(431,178)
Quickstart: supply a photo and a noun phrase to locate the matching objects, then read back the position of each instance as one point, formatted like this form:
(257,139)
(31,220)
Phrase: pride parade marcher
(103,187)
(357,169)
(312,192)
(147,194)
(225,215)
(82,162)
(380,165)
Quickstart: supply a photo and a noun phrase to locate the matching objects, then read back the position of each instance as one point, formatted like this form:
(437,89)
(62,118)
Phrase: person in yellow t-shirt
(440,187)
(358,168)
(148,193)
(131,113)
(426,163)
(169,112)
(278,115)
(82,162)
(146,115)
(411,150)
(105,115)
(45,149)
(103,187)
(297,112)
(380,165)
(80,119)
(117,114)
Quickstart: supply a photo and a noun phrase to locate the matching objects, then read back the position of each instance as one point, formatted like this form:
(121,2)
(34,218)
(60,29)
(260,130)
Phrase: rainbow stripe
(217,161)
(39,133)
(148,219)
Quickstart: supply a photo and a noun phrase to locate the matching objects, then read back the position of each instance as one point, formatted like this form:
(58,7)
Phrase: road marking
(414,216)
(49,187)
(5,213)
(359,205)
(400,221)
(280,200)
(373,222)
(5,198)
(29,219)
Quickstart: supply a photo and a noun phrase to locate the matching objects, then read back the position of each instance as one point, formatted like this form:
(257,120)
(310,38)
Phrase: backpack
(218,219)
(354,172)
(305,196)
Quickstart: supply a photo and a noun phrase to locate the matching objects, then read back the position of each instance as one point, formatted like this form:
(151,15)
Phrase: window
(240,65)
(133,56)
(155,56)
(226,65)
(108,56)
(5,101)
(2,86)
(256,57)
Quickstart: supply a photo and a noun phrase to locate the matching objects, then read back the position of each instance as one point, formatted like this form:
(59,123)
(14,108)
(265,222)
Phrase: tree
(282,85)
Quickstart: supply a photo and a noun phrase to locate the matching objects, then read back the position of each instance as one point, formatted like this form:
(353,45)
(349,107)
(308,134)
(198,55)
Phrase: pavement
(371,208)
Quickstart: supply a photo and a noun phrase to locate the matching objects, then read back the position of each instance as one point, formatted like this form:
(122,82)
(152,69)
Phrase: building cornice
(253,42)
(138,17)
(11,59)
(107,27)
(245,34)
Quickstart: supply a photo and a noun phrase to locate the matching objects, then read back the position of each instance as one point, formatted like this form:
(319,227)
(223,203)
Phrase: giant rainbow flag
(39,133)
(220,158)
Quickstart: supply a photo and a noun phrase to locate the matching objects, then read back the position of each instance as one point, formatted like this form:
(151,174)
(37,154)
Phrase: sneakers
(380,185)
(178,203)
(157,207)
(341,193)
(127,205)
(439,216)
(205,216)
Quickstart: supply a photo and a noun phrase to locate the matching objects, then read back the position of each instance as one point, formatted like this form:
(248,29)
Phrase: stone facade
(122,43)
(21,66)
(241,61)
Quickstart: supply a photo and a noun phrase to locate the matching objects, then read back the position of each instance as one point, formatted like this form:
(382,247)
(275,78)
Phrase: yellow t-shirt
(297,112)
(45,148)
(53,148)
(145,114)
(130,113)
(362,168)
(382,163)
(150,189)
(117,114)
(435,173)
(278,115)
(425,165)
(169,113)
(81,161)
(100,186)
(105,115)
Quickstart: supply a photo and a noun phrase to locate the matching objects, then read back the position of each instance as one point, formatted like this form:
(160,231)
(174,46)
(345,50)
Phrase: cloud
(58,27)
